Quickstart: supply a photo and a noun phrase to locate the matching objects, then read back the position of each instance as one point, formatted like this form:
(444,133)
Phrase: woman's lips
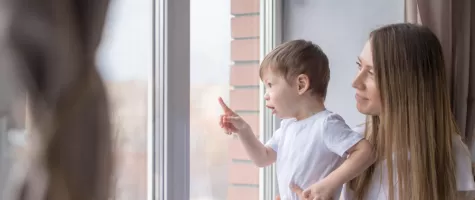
(360,98)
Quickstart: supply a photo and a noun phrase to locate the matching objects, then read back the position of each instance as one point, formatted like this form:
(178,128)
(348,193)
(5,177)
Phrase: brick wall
(244,95)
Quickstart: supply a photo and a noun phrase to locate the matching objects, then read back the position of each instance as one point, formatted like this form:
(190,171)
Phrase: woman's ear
(303,83)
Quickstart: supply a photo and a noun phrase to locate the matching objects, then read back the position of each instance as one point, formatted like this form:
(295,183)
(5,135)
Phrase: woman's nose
(358,82)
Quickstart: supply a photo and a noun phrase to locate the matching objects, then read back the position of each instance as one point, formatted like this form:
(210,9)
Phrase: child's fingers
(306,194)
(296,189)
(232,119)
(225,107)
(221,121)
(227,123)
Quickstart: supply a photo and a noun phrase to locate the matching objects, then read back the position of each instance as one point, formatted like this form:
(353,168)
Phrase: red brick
(245,26)
(243,173)
(243,193)
(244,6)
(253,120)
(245,75)
(236,150)
(245,50)
(244,99)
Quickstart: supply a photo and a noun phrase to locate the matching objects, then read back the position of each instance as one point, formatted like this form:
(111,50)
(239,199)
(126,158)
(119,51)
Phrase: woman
(401,87)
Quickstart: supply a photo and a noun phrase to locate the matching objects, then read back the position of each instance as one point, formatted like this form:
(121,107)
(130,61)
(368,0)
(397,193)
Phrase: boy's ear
(303,83)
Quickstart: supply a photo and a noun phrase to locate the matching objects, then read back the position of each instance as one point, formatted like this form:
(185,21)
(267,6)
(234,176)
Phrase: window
(205,50)
(224,62)
(125,62)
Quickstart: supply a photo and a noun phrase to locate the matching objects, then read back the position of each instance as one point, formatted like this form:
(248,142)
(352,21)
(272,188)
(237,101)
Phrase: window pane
(125,61)
(224,62)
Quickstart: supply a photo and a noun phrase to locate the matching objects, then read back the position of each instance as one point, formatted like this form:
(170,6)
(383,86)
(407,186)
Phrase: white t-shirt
(379,189)
(309,149)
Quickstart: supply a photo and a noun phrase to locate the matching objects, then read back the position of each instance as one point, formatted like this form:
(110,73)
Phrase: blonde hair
(416,118)
(297,57)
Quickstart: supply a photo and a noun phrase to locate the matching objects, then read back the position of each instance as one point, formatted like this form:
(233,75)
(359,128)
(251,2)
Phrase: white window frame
(169,98)
(169,134)
(271,36)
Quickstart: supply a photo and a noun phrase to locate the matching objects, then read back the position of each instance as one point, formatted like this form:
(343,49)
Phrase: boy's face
(281,97)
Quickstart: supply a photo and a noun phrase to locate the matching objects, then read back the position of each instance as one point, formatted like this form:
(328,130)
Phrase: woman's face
(368,99)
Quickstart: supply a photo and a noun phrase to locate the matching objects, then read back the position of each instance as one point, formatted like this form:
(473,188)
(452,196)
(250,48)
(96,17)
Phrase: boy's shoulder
(286,122)
(332,117)
(334,120)
(322,118)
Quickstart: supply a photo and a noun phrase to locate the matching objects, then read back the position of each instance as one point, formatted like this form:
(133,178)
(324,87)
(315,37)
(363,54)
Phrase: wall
(244,97)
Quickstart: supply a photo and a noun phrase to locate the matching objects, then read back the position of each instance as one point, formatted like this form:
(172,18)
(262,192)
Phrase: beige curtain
(53,43)
(453,21)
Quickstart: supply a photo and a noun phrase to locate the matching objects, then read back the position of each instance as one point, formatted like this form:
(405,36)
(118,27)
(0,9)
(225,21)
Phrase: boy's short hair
(297,57)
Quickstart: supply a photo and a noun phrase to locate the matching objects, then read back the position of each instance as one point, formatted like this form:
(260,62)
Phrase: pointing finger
(225,107)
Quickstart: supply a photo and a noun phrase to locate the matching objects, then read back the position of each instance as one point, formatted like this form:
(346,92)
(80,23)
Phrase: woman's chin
(366,110)
(362,109)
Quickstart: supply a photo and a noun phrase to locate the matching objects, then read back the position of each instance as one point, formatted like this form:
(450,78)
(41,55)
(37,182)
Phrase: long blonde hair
(416,124)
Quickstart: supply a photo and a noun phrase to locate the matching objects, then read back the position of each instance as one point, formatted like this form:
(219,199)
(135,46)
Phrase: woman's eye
(359,65)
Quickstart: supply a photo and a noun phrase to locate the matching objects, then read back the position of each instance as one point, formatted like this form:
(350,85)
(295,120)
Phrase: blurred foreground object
(53,46)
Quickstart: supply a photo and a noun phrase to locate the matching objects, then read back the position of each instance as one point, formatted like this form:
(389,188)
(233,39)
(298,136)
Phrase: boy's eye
(269,85)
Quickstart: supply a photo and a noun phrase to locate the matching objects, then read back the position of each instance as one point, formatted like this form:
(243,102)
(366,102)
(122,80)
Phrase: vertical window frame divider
(270,37)
(169,102)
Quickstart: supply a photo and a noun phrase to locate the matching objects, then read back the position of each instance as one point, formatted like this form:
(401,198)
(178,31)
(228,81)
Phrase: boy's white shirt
(308,150)
(378,187)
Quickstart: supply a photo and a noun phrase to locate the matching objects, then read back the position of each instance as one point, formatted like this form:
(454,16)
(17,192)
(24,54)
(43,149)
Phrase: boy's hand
(230,121)
(317,191)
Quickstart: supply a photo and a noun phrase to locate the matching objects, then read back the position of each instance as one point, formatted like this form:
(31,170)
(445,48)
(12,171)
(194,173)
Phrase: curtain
(453,21)
(53,45)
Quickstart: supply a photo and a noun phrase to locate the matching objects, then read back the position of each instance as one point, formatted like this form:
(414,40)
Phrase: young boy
(312,145)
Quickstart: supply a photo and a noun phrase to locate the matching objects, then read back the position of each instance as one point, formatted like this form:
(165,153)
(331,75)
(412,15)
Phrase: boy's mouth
(272,108)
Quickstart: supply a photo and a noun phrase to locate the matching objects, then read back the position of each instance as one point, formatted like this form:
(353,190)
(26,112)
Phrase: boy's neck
(309,108)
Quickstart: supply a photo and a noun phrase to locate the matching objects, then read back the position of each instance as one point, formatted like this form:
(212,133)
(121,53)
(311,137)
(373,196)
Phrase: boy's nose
(266,97)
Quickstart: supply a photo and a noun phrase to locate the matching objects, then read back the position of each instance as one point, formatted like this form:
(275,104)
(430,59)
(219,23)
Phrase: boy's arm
(361,156)
(260,154)
(342,140)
